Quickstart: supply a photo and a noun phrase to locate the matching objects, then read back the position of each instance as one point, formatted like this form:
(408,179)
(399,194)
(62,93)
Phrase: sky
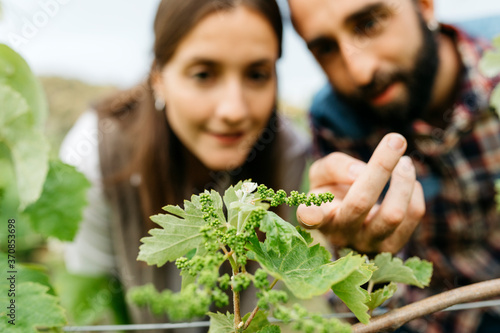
(109,41)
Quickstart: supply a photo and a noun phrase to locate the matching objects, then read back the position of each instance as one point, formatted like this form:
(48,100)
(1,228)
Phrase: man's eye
(369,27)
(372,24)
(324,49)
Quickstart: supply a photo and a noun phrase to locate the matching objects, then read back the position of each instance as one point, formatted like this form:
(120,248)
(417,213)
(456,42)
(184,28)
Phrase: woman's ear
(158,87)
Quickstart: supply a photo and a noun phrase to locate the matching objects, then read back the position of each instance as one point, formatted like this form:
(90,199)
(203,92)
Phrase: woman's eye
(258,76)
(202,76)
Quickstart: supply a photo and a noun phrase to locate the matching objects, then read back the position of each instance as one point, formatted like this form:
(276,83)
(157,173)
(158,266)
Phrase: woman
(206,118)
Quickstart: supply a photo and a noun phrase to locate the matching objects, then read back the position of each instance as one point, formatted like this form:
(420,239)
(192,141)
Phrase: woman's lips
(228,138)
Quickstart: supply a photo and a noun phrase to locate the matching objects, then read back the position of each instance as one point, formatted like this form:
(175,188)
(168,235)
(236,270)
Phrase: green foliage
(377,298)
(25,273)
(15,73)
(350,292)
(56,213)
(35,304)
(414,271)
(180,233)
(304,321)
(201,237)
(91,299)
(490,66)
(36,309)
(26,146)
(34,191)
(24,154)
(221,323)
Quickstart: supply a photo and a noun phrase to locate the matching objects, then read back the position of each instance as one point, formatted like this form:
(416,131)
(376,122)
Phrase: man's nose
(360,64)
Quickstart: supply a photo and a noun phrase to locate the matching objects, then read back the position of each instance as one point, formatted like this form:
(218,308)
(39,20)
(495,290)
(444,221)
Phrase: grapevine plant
(201,237)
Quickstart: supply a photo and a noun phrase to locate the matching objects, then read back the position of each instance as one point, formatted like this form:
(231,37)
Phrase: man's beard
(418,82)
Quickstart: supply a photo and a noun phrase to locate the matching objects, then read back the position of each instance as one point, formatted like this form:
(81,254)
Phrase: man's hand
(354,218)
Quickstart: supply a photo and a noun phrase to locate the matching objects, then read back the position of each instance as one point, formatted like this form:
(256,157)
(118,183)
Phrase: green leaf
(88,299)
(350,292)
(270,329)
(15,73)
(278,231)
(180,233)
(55,213)
(422,270)
(391,269)
(259,322)
(495,99)
(24,273)
(230,197)
(377,298)
(496,42)
(34,309)
(221,323)
(28,147)
(306,271)
(490,63)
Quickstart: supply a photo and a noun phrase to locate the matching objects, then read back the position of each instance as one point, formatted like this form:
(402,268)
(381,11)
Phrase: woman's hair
(175,19)
(157,155)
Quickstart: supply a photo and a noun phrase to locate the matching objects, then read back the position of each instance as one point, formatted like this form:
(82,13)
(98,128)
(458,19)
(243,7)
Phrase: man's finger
(403,232)
(367,188)
(394,208)
(333,169)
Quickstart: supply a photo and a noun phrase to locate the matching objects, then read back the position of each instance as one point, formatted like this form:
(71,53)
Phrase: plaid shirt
(457,167)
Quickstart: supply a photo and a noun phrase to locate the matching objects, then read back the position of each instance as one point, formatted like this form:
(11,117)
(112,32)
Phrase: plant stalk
(251,317)
(394,319)
(254,312)
(237,313)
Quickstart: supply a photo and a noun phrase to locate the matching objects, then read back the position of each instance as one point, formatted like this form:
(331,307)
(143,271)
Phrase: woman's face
(219,86)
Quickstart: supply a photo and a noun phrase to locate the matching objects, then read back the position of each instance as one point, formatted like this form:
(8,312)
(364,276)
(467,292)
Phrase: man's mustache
(380,83)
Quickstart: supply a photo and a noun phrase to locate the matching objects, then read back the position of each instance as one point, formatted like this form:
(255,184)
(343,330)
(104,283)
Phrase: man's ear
(426,7)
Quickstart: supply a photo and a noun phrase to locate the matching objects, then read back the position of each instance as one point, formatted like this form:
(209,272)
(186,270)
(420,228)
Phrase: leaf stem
(371,284)
(252,316)
(229,256)
(254,312)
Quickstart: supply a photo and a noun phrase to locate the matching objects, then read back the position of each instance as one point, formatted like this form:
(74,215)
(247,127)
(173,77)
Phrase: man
(395,69)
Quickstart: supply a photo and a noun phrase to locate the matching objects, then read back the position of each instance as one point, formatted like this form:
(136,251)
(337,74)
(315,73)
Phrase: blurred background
(83,49)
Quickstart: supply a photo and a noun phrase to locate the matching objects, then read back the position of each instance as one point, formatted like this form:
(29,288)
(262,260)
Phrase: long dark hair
(156,155)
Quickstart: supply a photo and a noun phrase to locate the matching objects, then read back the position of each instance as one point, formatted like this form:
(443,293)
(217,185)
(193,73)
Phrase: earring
(159,104)
(433,25)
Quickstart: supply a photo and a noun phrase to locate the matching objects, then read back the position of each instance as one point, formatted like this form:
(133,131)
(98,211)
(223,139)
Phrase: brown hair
(156,153)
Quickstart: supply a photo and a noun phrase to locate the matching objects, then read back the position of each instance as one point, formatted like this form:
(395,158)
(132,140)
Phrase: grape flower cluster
(279,197)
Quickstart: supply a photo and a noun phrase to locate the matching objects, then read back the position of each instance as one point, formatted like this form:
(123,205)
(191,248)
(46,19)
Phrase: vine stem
(251,317)
(394,319)
(237,313)
(256,309)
